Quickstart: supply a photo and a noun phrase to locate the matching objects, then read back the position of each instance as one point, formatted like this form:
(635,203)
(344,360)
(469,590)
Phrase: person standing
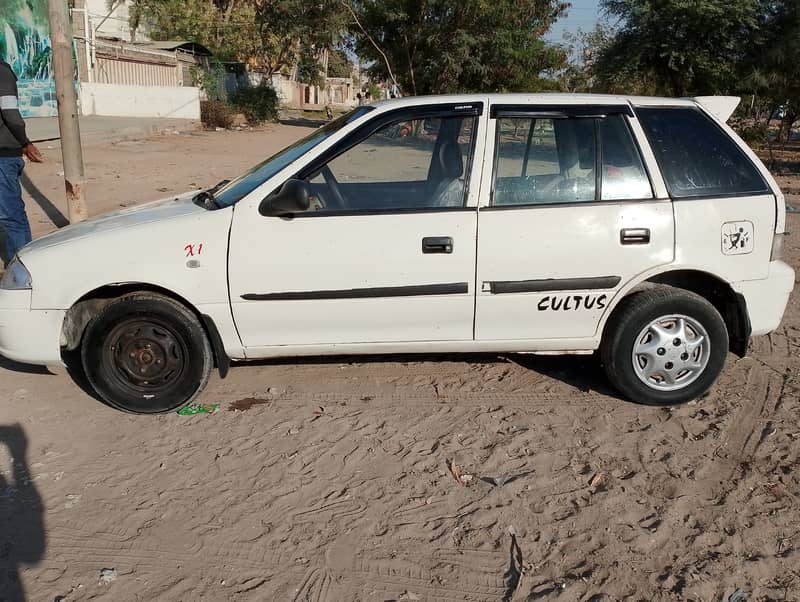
(14,144)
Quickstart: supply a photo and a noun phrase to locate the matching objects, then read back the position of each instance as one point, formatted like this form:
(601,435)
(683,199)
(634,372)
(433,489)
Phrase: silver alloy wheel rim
(671,352)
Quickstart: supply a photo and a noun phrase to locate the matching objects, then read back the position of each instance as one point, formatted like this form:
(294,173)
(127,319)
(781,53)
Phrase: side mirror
(292,197)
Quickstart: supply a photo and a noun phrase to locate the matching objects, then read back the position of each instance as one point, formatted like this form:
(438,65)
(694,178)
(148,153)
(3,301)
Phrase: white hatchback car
(642,227)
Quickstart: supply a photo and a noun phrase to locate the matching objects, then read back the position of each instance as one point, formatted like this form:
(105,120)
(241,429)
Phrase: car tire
(146,354)
(664,346)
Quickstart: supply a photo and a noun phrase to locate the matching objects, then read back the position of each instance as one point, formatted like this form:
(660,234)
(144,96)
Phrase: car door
(570,218)
(385,254)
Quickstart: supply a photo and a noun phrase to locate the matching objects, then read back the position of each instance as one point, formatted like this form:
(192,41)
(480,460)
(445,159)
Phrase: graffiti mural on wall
(25,45)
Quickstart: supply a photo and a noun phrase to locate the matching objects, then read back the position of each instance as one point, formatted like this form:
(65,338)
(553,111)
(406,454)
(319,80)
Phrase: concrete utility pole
(71,152)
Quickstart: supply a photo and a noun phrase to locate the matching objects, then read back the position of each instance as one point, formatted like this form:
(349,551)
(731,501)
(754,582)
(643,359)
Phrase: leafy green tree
(772,68)
(677,47)
(309,68)
(268,35)
(583,48)
(440,46)
(227,27)
(339,64)
(297,29)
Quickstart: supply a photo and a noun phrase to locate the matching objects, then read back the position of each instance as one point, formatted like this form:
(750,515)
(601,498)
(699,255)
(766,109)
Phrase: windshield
(234,191)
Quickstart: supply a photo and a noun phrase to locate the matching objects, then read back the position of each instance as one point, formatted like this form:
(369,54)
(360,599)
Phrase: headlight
(16,278)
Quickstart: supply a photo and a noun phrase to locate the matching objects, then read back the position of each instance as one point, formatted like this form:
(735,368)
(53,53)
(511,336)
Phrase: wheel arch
(88,306)
(730,304)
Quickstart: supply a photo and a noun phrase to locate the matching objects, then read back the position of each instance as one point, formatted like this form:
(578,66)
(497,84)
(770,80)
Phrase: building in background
(124,73)
(121,72)
(112,21)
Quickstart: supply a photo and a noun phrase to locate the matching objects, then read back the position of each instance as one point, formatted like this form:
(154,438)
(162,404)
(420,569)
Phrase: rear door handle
(635,236)
(437,244)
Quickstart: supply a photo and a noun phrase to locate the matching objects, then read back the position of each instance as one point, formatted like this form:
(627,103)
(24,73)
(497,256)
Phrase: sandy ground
(330,482)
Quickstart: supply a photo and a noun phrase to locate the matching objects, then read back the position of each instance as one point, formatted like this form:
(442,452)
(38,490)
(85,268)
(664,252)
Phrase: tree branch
(410,66)
(372,41)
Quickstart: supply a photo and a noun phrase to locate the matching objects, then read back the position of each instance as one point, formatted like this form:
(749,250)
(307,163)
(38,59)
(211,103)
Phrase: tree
(227,27)
(583,48)
(772,69)
(267,35)
(339,65)
(309,68)
(677,47)
(439,46)
(287,27)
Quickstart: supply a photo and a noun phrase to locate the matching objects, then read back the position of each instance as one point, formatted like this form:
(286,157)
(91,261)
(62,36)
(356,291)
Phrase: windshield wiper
(207,199)
(218,186)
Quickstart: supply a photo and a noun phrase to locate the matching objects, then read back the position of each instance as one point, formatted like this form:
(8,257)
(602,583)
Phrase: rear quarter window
(697,157)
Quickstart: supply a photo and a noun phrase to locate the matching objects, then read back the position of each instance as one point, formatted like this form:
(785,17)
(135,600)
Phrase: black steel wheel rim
(145,356)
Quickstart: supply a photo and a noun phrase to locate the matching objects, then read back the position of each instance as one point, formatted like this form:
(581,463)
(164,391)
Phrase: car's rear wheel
(664,346)
(146,354)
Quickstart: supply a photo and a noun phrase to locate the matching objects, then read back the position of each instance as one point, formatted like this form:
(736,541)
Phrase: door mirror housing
(293,197)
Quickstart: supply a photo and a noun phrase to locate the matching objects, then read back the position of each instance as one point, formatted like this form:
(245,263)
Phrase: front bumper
(767,299)
(29,336)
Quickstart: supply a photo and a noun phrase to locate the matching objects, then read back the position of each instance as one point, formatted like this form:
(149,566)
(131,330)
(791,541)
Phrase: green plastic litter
(198,408)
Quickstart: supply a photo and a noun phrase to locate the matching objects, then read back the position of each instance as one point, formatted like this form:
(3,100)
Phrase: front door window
(405,165)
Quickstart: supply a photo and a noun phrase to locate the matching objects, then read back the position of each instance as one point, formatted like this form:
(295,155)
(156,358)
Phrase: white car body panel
(561,243)
(158,246)
(270,255)
(147,245)
(766,299)
(699,235)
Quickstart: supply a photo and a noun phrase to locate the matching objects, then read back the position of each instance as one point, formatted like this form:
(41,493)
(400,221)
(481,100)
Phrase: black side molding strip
(456,288)
(562,284)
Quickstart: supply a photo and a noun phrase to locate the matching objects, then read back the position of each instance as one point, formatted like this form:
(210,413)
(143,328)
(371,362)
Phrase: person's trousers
(13,219)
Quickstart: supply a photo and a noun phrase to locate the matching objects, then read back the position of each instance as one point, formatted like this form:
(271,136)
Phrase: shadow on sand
(52,212)
(583,372)
(22,533)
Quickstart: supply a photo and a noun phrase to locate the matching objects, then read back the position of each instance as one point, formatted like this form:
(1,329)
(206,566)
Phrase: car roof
(536,98)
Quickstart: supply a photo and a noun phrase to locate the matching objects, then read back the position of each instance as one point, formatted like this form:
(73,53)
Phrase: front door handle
(635,236)
(437,244)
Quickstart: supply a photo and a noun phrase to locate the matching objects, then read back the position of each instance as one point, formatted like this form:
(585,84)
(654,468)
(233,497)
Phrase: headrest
(450,160)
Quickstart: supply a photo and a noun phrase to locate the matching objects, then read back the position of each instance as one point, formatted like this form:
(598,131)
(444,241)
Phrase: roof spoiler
(722,107)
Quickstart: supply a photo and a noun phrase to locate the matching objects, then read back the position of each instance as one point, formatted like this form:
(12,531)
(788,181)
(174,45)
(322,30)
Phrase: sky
(583,15)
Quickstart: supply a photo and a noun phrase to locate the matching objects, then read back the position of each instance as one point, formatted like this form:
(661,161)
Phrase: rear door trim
(554,284)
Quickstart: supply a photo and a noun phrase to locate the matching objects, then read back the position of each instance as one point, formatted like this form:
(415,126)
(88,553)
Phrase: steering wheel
(333,186)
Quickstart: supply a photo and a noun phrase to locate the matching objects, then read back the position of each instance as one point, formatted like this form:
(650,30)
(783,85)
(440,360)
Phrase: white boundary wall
(140,101)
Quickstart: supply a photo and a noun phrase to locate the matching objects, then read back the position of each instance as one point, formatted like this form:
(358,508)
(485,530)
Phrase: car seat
(450,190)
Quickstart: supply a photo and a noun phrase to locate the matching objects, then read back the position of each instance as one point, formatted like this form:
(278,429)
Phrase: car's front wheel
(146,354)
(664,346)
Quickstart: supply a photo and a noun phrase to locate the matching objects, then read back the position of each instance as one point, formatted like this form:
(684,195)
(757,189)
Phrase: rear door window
(544,160)
(624,177)
(696,157)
